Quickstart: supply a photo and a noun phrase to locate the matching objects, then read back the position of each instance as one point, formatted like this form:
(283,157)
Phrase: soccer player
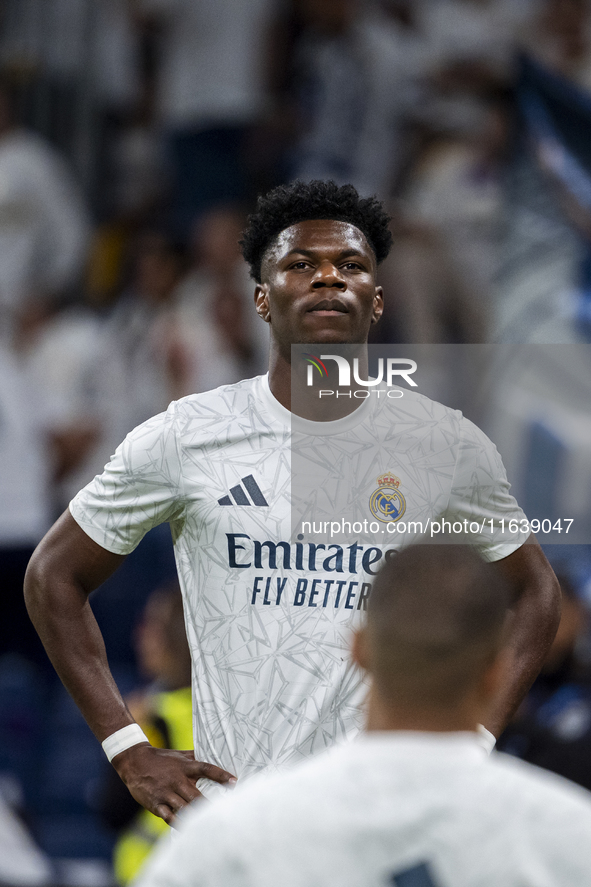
(268,619)
(414,801)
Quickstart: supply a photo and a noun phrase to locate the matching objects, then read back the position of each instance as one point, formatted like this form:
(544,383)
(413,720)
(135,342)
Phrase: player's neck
(280,377)
(385,715)
(293,393)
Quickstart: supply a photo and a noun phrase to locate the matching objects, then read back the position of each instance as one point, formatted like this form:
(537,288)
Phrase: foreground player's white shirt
(399,809)
(269,620)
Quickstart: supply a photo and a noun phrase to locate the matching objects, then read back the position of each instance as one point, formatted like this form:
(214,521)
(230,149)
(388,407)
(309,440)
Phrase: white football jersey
(269,617)
(396,809)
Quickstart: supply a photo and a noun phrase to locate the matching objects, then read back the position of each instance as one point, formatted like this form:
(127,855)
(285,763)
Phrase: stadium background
(134,137)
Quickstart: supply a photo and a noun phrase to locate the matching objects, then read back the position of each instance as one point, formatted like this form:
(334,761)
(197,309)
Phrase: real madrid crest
(387,502)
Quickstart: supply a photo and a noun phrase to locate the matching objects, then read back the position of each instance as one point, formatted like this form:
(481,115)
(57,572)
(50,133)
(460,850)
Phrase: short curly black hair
(289,204)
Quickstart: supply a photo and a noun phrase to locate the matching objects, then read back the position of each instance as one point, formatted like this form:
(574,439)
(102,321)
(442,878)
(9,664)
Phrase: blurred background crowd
(134,138)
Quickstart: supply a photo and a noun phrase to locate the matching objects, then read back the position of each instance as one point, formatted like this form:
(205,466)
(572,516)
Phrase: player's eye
(353,266)
(300,265)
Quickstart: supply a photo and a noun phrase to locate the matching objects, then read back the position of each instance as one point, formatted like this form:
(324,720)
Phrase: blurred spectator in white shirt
(215,309)
(472,30)
(457,188)
(210,91)
(60,356)
(102,376)
(91,85)
(352,75)
(44,226)
(24,503)
(470,46)
(22,863)
(88,37)
(78,62)
(24,515)
(429,300)
(169,334)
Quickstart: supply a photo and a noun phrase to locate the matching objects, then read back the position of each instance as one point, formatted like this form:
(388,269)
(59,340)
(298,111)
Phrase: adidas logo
(240,497)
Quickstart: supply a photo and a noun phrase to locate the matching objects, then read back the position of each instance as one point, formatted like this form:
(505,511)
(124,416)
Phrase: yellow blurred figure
(164,711)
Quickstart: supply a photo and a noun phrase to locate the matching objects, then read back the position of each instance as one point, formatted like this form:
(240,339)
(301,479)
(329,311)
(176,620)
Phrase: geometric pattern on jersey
(269,620)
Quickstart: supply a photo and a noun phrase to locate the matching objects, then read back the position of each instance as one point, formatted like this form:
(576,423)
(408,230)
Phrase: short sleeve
(481,500)
(139,488)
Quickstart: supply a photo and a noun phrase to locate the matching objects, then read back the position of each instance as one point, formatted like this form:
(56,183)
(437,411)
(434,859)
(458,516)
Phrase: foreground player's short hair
(435,620)
(289,204)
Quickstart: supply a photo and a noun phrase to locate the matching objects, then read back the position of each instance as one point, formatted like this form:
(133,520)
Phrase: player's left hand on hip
(163,780)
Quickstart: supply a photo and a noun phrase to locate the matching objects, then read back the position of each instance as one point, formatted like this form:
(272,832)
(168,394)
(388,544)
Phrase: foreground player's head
(313,250)
(434,629)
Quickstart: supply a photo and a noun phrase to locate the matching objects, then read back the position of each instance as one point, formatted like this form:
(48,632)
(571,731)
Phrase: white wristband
(123,739)
(486,739)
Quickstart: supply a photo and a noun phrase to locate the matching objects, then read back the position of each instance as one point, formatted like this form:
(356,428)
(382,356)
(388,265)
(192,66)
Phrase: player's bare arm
(64,569)
(535,619)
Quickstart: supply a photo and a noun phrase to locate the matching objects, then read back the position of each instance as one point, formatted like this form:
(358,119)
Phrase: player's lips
(328,308)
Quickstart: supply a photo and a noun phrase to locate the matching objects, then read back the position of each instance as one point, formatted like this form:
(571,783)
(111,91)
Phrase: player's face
(319,285)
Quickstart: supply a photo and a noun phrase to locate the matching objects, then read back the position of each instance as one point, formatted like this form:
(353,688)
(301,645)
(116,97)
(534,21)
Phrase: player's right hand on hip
(163,780)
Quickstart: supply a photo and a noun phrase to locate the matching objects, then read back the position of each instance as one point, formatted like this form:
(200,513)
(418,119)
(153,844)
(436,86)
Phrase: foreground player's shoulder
(544,802)
(259,819)
(271,803)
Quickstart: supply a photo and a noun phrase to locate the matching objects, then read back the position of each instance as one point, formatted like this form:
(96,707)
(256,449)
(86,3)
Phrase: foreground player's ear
(378,304)
(261,301)
(359,653)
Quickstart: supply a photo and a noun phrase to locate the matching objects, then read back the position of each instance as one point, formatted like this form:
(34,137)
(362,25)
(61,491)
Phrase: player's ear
(359,653)
(261,301)
(378,304)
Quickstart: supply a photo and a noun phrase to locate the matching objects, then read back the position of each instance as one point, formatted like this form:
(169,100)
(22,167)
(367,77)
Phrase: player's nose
(328,274)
